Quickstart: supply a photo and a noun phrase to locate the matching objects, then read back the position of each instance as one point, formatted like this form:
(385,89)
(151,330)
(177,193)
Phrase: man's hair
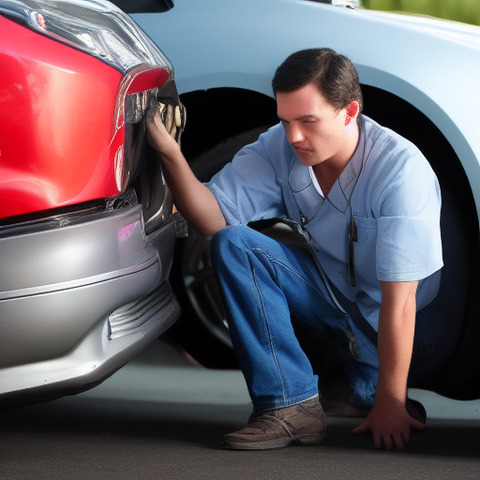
(332,73)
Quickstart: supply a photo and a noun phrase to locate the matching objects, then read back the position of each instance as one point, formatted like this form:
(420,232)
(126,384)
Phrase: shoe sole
(313,439)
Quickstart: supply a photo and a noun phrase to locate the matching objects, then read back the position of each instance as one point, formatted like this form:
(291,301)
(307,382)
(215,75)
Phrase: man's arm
(193,199)
(389,421)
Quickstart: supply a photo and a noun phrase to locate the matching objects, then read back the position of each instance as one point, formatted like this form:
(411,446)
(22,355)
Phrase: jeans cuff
(265,406)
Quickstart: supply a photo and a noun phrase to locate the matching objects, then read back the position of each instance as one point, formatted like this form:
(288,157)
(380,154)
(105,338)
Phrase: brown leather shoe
(303,423)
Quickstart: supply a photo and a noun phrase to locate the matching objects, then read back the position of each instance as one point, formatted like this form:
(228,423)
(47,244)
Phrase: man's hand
(159,137)
(389,420)
(390,425)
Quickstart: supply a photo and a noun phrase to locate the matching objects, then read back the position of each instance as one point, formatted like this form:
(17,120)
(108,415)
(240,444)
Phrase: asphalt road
(162,418)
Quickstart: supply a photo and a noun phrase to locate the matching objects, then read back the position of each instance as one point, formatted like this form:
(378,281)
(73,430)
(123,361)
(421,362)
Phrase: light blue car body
(432,64)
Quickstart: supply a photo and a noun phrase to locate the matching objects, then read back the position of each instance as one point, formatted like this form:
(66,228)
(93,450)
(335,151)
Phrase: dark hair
(332,73)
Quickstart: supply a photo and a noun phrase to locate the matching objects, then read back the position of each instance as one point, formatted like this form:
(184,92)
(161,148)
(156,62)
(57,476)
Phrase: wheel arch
(207,109)
(435,110)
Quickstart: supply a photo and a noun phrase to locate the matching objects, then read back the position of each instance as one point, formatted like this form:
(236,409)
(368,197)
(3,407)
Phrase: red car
(87,224)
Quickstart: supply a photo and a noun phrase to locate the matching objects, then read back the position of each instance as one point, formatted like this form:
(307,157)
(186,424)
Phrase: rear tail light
(137,165)
(172,115)
(136,106)
(142,88)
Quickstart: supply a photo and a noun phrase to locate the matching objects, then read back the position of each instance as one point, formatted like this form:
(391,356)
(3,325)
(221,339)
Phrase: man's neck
(328,171)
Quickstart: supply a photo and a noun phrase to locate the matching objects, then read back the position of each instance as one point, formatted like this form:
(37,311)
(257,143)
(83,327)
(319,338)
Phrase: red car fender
(58,137)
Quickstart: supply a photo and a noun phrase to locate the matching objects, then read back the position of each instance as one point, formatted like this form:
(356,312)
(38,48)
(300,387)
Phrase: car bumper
(79,301)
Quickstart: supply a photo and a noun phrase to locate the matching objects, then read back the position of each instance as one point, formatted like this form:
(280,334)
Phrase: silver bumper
(78,302)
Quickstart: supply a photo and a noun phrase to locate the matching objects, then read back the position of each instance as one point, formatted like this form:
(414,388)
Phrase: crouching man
(368,205)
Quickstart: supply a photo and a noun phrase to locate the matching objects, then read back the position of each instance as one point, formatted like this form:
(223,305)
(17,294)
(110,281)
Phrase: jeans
(265,284)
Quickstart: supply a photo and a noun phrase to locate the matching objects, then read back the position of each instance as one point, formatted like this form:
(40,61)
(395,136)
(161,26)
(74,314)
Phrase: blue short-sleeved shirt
(389,188)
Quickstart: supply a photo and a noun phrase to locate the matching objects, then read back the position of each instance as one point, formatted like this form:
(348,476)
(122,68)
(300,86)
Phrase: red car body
(57,97)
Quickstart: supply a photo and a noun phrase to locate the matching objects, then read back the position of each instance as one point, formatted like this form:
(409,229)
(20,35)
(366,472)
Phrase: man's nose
(295,134)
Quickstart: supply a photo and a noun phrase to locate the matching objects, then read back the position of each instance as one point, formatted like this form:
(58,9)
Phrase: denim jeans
(265,284)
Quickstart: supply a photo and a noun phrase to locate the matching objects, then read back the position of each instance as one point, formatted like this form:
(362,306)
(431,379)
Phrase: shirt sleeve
(409,245)
(247,188)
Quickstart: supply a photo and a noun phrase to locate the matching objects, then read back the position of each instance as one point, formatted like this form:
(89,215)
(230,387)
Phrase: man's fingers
(360,430)
(417,425)
(379,442)
(401,441)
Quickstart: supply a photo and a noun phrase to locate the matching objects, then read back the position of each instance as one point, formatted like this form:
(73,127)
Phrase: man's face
(316,130)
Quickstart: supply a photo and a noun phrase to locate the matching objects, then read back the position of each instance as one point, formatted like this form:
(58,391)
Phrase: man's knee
(228,238)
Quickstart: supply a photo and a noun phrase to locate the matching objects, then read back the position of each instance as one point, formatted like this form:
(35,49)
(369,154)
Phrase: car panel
(63,88)
(93,359)
(55,317)
(74,255)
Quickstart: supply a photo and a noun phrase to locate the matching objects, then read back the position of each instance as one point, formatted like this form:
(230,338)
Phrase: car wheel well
(219,118)
(218,114)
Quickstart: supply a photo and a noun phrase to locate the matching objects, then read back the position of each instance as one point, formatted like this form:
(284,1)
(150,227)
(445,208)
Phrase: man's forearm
(395,340)
(193,199)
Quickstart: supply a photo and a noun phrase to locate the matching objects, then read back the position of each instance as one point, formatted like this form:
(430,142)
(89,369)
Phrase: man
(368,204)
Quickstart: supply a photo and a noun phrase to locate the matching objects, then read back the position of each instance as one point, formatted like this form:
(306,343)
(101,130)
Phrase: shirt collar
(343,188)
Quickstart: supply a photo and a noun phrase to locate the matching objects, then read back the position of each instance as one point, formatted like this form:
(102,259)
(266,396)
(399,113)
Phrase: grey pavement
(160,417)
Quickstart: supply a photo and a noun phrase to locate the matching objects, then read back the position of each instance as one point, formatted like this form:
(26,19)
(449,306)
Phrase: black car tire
(202,330)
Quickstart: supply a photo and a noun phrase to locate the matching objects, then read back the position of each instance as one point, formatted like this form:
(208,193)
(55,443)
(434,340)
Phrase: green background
(467,11)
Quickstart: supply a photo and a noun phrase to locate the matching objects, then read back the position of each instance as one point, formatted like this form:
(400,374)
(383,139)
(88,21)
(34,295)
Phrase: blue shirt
(389,188)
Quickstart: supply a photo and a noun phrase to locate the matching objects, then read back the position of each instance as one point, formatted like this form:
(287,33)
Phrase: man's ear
(352,110)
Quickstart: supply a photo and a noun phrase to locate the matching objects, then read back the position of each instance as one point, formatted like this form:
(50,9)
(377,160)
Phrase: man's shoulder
(394,163)
(383,138)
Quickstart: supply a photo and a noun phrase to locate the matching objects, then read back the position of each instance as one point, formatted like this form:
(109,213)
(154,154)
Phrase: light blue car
(420,76)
